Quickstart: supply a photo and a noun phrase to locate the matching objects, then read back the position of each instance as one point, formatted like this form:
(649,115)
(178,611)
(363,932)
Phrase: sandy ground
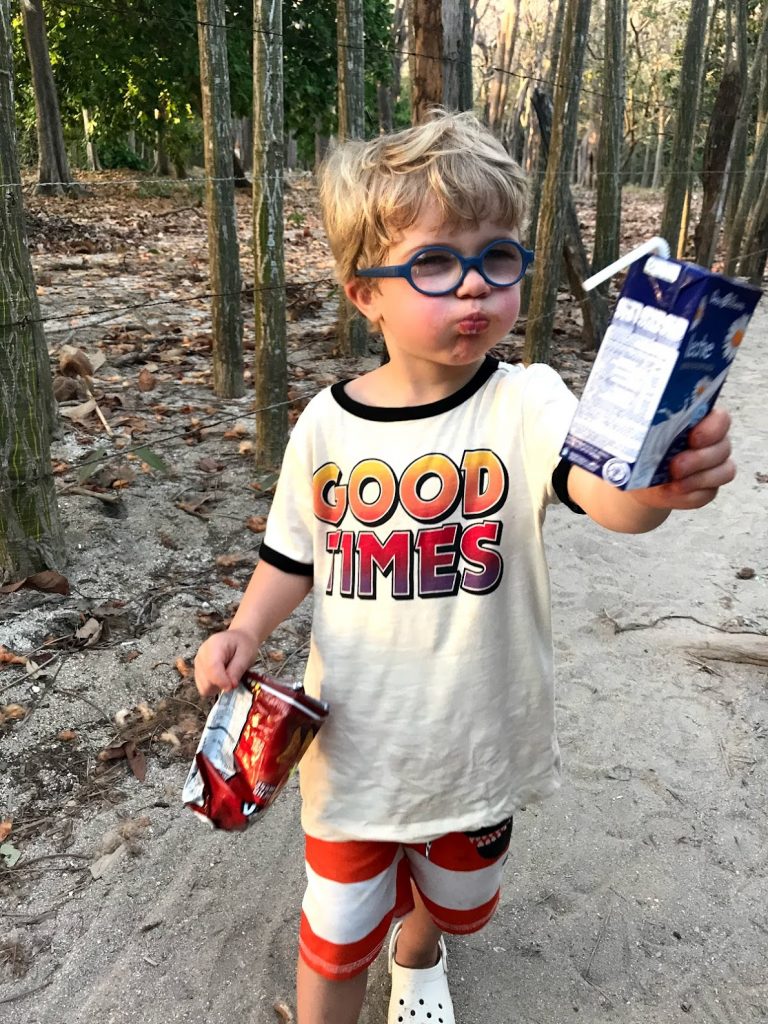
(638,894)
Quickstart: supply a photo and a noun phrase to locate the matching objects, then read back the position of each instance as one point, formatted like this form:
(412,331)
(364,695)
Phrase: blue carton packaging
(662,363)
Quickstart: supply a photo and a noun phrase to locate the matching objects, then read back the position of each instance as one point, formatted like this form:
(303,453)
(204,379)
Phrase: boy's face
(451,330)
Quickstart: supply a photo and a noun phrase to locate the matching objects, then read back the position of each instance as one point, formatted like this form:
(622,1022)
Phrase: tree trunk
(270,355)
(745,220)
(608,198)
(426,57)
(738,159)
(31,536)
(658,163)
(678,186)
(223,251)
(594,308)
(353,330)
(53,177)
(540,159)
(505,50)
(91,156)
(753,263)
(740,177)
(714,170)
(457,50)
(552,219)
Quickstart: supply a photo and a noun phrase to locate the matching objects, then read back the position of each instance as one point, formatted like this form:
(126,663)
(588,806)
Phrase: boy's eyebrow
(428,244)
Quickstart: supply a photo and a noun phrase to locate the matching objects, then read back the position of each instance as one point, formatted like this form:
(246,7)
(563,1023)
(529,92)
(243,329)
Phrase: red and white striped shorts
(356,888)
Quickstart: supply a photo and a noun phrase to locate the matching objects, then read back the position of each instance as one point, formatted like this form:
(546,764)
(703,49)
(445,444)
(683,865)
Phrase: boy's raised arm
(270,598)
(696,475)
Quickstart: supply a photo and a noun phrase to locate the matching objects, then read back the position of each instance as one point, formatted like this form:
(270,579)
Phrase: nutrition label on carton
(629,376)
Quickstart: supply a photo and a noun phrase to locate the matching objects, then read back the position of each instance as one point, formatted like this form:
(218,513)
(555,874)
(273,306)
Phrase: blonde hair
(372,191)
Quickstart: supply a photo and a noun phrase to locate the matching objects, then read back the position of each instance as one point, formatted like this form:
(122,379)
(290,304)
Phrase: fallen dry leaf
(48,580)
(256,524)
(12,712)
(183,668)
(230,561)
(136,760)
(235,432)
(9,658)
(147,380)
(73,362)
(66,735)
(6,828)
(90,632)
(80,413)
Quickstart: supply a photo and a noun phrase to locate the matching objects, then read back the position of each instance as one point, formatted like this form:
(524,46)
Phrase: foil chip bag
(253,739)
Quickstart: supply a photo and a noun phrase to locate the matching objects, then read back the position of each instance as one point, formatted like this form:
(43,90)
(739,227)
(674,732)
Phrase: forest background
(160,243)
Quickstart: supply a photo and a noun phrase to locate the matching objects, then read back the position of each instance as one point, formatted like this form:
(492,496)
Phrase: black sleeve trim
(560,484)
(284,563)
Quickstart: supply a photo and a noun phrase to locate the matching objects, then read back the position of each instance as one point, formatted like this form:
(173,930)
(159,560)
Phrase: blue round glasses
(439,269)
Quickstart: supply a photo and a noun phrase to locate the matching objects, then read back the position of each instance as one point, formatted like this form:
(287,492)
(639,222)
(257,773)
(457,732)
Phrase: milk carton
(663,360)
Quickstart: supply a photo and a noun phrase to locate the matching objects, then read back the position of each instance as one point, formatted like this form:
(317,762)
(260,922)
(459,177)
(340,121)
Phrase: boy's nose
(473,284)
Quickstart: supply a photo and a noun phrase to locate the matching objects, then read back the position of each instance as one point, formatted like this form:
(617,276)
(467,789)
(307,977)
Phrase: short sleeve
(289,536)
(548,409)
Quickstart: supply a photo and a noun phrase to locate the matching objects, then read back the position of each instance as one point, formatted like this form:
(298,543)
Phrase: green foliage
(135,68)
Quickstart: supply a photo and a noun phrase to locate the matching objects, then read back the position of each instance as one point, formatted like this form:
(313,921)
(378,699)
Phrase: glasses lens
(503,263)
(436,270)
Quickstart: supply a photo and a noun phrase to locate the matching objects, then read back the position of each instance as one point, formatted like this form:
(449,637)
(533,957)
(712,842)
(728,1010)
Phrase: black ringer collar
(391,414)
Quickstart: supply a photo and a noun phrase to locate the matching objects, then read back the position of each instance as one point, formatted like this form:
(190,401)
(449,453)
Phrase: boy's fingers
(694,460)
(713,428)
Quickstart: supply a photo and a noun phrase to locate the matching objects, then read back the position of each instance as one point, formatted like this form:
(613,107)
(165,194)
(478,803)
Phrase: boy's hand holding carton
(661,365)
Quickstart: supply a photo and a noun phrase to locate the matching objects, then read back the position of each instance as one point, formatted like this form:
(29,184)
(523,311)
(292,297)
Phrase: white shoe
(419,996)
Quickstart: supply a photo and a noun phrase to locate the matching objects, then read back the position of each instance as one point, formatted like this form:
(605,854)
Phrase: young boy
(411,503)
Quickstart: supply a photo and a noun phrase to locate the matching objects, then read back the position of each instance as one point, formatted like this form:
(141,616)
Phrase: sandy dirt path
(638,894)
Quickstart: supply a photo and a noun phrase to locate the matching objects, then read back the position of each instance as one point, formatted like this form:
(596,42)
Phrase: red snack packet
(254,737)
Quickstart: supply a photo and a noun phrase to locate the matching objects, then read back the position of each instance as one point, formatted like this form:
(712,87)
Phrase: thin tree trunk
(608,198)
(753,263)
(270,355)
(31,536)
(91,156)
(223,250)
(426,57)
(594,308)
(678,186)
(552,219)
(353,330)
(457,55)
(540,161)
(738,157)
(658,163)
(505,50)
(747,211)
(737,209)
(714,171)
(53,176)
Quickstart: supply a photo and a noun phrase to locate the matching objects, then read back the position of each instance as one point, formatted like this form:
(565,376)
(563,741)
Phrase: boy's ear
(360,294)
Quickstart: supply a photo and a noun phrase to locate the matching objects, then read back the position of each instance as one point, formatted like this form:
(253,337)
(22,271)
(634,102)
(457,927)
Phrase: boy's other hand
(697,473)
(222,661)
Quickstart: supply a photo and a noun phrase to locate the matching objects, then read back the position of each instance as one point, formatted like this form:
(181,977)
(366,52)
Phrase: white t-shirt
(431,638)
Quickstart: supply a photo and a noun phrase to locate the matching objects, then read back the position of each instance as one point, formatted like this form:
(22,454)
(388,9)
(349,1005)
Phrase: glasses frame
(467,263)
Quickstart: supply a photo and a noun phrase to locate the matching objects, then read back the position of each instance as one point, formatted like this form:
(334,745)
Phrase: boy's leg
(320,1001)
(418,937)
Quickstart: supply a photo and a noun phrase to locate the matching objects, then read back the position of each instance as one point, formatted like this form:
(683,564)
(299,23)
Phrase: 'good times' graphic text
(429,560)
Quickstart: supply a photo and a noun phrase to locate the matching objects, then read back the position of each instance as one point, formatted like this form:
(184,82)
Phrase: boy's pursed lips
(473,323)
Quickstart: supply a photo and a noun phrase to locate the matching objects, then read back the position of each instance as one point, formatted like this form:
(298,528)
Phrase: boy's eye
(430,264)
(502,257)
